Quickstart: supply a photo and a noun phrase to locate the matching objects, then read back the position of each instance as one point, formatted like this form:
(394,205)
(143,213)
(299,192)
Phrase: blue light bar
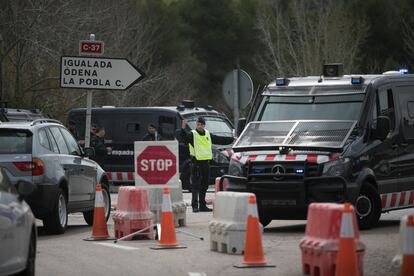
(357,80)
(404,71)
(300,171)
(258,170)
(282,81)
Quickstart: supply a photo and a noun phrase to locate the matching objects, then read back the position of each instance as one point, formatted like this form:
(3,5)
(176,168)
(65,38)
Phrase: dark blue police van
(124,125)
(329,138)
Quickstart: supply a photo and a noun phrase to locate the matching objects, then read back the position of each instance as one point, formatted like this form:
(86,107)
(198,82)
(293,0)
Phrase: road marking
(197,274)
(117,246)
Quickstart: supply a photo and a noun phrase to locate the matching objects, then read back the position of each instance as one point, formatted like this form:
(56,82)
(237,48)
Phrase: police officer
(200,142)
(152,134)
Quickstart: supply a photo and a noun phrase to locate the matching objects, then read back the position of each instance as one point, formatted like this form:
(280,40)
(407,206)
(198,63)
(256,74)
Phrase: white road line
(197,274)
(117,246)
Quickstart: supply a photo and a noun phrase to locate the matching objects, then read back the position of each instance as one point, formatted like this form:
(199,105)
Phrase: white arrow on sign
(98,73)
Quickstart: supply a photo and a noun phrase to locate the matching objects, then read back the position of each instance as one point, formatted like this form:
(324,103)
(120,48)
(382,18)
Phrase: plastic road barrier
(221,186)
(228,225)
(133,213)
(320,245)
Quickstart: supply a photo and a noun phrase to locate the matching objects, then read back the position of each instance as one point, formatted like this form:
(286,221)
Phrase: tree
(299,36)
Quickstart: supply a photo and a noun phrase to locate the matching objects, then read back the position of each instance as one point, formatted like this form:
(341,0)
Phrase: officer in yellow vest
(200,143)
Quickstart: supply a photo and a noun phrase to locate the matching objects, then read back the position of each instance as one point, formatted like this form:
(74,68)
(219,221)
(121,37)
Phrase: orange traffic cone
(346,259)
(407,268)
(99,228)
(253,250)
(168,239)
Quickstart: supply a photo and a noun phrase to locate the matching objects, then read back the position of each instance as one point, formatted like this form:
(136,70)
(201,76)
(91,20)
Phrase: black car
(329,138)
(124,125)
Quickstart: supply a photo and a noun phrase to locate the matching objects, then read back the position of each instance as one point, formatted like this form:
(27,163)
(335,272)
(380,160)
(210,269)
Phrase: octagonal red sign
(156,165)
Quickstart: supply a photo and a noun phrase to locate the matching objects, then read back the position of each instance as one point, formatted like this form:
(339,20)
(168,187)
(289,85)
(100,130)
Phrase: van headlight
(219,157)
(339,167)
(235,168)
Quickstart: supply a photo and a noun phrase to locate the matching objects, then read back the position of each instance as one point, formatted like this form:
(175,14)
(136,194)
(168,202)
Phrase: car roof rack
(44,120)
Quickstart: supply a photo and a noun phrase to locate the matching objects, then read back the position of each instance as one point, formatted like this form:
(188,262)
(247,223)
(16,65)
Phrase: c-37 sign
(98,73)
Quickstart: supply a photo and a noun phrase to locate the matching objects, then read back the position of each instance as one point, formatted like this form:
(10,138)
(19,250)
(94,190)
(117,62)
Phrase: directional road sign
(98,73)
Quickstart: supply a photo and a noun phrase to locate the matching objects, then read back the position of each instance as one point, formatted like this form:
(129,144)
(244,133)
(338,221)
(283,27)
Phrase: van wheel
(368,206)
(57,221)
(88,215)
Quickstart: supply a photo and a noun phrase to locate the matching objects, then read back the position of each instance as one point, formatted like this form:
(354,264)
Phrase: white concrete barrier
(228,225)
(178,204)
(397,260)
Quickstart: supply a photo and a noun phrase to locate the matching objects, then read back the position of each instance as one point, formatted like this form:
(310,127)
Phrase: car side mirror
(383,128)
(240,125)
(89,152)
(24,189)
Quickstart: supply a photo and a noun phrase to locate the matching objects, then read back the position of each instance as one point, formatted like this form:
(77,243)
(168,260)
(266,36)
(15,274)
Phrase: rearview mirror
(89,152)
(383,128)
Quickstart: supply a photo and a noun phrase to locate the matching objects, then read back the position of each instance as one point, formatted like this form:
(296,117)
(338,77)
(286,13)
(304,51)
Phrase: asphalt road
(70,255)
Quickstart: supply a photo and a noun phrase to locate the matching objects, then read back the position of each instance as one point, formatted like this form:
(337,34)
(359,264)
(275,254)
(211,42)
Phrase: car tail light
(36,166)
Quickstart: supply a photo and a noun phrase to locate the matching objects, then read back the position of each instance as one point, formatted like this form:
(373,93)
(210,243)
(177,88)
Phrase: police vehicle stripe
(397,200)
(311,158)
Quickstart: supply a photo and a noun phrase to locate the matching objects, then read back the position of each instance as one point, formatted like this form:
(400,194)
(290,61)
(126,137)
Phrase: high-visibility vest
(202,146)
(191,149)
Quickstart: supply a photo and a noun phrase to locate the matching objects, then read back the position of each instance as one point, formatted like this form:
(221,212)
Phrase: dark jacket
(151,137)
(98,144)
(187,137)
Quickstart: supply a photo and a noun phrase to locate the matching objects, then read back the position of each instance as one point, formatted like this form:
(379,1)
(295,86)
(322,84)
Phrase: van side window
(385,105)
(133,127)
(166,127)
(406,100)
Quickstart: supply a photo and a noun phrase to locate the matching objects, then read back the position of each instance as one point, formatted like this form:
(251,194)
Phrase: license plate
(278,202)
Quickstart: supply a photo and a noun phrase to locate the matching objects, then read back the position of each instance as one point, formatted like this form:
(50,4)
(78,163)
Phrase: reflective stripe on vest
(202,146)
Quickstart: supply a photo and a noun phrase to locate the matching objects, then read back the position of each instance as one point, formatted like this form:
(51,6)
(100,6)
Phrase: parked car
(124,125)
(329,138)
(18,232)
(45,153)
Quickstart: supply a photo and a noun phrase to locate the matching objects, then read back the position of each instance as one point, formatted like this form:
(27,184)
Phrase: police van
(329,138)
(124,125)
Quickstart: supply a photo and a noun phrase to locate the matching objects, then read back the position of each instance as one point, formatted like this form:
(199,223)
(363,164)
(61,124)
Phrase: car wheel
(31,258)
(88,215)
(368,206)
(57,221)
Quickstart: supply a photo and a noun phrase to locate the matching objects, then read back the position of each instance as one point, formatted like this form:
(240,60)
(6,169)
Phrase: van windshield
(214,125)
(313,107)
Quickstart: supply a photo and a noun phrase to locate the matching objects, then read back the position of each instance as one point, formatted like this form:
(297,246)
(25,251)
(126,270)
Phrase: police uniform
(200,147)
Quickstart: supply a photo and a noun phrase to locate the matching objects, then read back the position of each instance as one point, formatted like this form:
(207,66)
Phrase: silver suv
(45,153)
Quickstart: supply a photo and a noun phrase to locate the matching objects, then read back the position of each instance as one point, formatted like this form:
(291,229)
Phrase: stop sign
(156,164)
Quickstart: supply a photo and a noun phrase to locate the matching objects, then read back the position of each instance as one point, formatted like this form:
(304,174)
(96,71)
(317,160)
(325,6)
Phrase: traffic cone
(346,259)
(168,238)
(407,268)
(99,228)
(253,250)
